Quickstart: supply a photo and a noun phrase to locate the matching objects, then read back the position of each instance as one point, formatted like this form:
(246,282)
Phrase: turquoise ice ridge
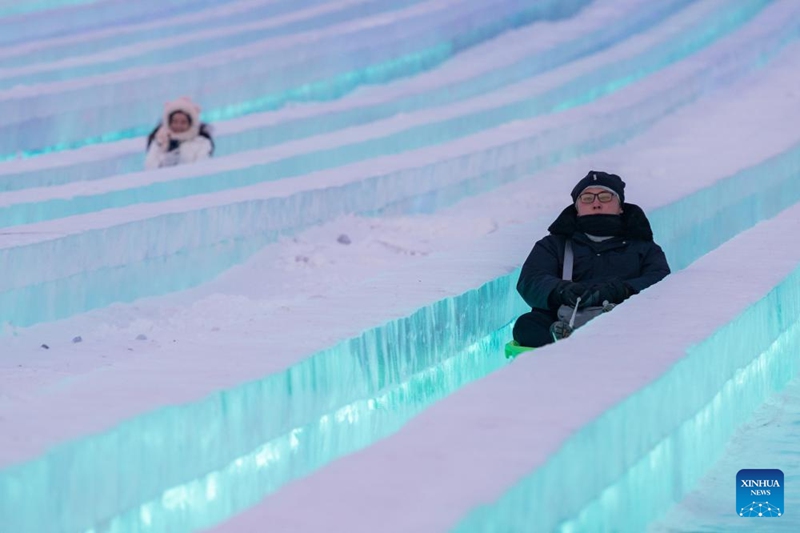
(656,460)
(247,479)
(29,21)
(273,134)
(141,34)
(200,47)
(17,8)
(268,80)
(162,465)
(774,431)
(187,466)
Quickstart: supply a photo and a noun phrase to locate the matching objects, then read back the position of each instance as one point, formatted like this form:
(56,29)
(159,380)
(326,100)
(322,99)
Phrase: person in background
(180,137)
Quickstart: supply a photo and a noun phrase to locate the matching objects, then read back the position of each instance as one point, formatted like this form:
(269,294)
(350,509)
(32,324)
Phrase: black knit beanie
(596,178)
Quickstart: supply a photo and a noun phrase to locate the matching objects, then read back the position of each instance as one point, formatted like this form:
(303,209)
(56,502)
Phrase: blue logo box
(759,493)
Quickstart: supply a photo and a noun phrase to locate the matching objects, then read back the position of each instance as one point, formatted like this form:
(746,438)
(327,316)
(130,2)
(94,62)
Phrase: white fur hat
(185,105)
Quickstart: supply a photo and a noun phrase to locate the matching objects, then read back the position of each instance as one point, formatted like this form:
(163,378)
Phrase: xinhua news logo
(759,493)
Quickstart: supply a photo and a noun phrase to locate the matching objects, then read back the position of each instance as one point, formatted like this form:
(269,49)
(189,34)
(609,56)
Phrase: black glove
(560,330)
(614,291)
(567,293)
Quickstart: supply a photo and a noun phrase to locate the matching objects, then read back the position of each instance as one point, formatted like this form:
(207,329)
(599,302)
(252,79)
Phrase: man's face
(591,202)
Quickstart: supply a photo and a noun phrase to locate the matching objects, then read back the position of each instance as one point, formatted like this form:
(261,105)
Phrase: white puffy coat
(190,151)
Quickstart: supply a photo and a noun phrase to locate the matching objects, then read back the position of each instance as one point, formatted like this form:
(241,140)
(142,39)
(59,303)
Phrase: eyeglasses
(588,197)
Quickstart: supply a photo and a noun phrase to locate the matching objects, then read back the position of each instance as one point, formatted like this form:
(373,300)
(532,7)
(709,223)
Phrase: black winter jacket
(633,257)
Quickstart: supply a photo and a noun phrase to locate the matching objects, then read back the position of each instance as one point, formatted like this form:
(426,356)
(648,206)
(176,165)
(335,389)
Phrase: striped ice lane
(571,86)
(196,44)
(509,59)
(199,19)
(322,64)
(27,21)
(214,15)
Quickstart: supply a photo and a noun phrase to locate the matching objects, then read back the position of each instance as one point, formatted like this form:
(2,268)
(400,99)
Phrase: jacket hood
(191,110)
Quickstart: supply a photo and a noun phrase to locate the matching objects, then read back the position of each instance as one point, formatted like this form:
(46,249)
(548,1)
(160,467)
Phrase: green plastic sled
(514,349)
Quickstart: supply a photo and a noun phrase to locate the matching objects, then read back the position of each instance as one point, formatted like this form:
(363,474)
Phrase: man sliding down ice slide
(599,252)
